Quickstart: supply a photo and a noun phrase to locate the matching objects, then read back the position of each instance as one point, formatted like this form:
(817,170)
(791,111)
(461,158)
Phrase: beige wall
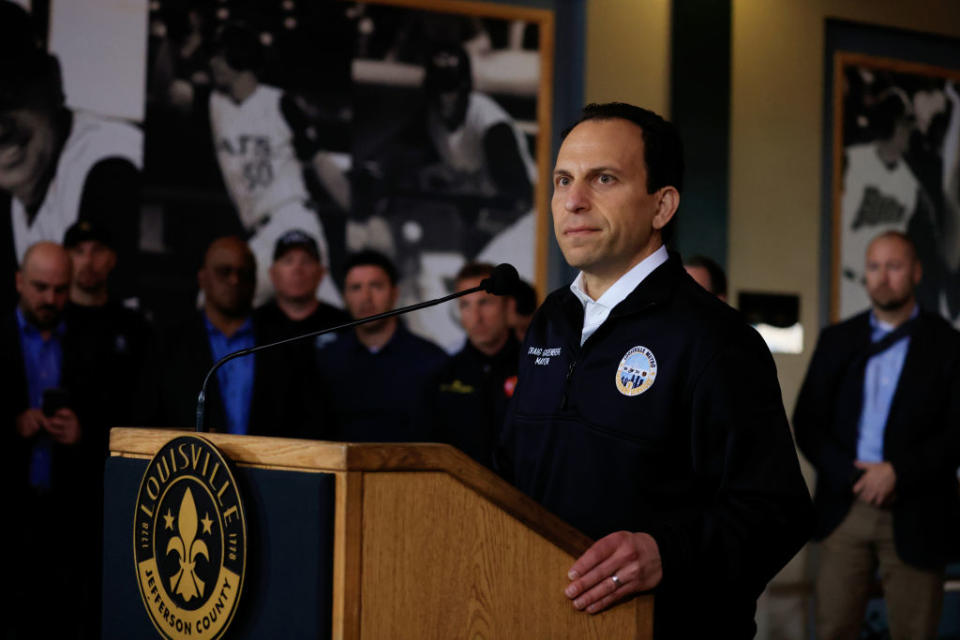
(628,52)
(775,170)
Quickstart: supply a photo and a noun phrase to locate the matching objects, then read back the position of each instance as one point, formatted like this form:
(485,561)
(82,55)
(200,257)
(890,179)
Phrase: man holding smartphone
(43,284)
(51,480)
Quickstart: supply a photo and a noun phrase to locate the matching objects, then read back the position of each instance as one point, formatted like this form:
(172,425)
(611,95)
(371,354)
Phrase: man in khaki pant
(879,418)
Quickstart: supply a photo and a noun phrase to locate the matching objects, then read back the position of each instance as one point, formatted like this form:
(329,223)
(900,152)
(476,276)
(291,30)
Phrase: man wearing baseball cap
(296,274)
(121,335)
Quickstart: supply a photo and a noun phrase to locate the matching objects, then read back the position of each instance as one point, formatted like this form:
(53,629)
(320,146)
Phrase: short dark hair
(240,47)
(474,270)
(718,279)
(371,258)
(662,147)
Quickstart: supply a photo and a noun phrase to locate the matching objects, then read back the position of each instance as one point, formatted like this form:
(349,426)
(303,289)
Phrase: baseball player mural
(901,137)
(58,165)
(255,147)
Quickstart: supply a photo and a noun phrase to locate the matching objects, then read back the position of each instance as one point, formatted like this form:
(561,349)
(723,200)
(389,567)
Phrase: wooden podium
(409,541)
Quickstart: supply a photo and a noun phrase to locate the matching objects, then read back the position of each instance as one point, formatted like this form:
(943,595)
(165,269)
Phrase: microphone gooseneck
(503,281)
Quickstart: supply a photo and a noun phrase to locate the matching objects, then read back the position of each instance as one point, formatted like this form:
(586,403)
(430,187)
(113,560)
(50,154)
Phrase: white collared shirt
(595,312)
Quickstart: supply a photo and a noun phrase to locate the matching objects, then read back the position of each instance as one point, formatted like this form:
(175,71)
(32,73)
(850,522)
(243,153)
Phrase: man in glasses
(252,394)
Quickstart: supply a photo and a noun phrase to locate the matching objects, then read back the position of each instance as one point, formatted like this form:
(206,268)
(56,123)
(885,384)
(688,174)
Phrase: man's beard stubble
(895,304)
(50,319)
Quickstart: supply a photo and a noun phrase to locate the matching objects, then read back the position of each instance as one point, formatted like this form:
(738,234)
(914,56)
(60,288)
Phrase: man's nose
(576,198)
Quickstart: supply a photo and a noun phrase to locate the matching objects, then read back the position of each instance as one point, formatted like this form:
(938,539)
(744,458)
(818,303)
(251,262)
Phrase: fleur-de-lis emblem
(188,548)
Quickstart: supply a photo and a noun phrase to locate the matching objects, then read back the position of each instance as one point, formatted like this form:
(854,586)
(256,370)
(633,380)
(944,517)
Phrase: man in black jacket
(878,416)
(255,394)
(470,396)
(647,413)
(296,274)
(372,380)
(120,336)
(52,444)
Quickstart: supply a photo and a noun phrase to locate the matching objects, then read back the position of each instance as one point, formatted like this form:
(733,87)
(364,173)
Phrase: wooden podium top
(317,456)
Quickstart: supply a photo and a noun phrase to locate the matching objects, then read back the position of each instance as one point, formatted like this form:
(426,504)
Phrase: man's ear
(19,282)
(667,203)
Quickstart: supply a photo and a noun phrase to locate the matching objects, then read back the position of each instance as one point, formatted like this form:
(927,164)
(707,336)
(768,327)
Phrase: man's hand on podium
(615,567)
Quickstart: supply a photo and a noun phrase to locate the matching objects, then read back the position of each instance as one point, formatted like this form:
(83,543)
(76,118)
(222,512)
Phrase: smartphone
(54,399)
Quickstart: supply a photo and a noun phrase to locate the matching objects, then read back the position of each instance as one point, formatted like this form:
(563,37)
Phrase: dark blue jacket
(921,439)
(376,397)
(701,459)
(469,398)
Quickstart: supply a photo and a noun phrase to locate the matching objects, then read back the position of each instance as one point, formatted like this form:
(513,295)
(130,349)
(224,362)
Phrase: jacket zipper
(566,384)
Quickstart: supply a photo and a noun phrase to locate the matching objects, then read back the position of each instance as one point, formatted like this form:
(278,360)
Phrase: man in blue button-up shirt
(879,418)
(43,284)
(258,394)
(227,278)
(49,489)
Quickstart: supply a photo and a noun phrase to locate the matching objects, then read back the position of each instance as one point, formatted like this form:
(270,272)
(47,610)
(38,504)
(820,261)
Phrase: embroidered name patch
(637,371)
(542,355)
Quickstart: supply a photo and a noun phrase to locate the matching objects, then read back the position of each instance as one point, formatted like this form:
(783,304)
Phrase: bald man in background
(51,437)
(878,417)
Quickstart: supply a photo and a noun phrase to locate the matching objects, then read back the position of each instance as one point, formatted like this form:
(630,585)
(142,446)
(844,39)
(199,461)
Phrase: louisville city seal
(189,540)
(637,371)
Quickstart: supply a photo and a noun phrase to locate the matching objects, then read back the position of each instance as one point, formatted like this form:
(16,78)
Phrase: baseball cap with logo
(295,239)
(84,230)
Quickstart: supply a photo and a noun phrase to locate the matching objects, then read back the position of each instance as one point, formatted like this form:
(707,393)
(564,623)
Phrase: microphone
(503,281)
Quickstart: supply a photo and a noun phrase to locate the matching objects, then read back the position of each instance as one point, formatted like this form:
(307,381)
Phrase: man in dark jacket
(372,380)
(296,274)
(121,336)
(255,394)
(470,397)
(878,416)
(52,444)
(647,413)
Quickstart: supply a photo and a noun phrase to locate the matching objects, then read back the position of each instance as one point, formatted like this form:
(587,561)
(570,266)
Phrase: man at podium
(647,412)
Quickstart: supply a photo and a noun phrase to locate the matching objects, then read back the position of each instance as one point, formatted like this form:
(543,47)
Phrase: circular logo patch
(189,540)
(637,371)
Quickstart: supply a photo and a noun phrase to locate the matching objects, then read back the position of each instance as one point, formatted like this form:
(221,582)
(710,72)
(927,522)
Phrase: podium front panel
(287,590)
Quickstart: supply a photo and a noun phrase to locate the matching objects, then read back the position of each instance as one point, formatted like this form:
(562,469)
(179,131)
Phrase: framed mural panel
(895,167)
(414,127)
